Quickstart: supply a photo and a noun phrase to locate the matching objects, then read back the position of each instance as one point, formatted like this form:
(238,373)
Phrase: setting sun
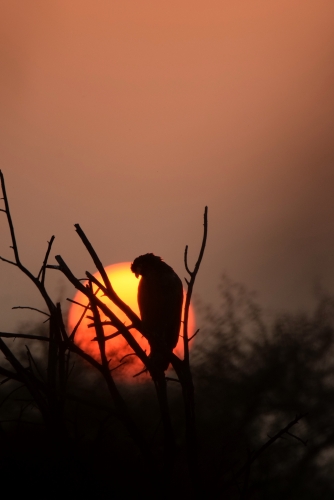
(125,284)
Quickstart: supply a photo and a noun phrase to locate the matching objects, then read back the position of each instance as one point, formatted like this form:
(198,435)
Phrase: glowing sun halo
(125,284)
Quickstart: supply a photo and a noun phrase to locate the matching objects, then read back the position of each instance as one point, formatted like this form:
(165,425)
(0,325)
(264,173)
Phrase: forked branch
(190,285)
(108,289)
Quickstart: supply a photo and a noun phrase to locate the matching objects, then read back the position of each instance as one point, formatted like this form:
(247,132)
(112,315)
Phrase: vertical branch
(99,333)
(45,261)
(190,284)
(9,218)
(182,369)
(62,362)
(169,440)
(52,356)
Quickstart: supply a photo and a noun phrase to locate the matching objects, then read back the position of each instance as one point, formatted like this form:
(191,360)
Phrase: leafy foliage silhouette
(251,377)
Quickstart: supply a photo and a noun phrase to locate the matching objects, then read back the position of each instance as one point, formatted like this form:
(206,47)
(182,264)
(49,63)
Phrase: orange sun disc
(125,285)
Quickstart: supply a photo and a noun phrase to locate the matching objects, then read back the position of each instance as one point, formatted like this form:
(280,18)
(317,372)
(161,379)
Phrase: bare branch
(111,294)
(8,261)
(86,308)
(78,303)
(105,309)
(32,360)
(23,336)
(32,309)
(127,355)
(266,445)
(32,384)
(190,284)
(190,338)
(186,260)
(104,323)
(26,271)
(107,289)
(107,337)
(114,392)
(45,261)
(9,375)
(118,366)
(140,373)
(296,437)
(182,368)
(9,219)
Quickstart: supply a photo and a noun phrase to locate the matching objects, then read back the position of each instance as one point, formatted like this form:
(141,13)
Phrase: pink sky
(128,117)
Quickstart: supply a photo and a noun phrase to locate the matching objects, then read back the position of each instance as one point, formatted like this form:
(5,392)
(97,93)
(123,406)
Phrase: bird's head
(144,264)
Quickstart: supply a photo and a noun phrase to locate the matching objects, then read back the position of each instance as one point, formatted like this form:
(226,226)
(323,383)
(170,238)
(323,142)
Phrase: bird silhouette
(160,298)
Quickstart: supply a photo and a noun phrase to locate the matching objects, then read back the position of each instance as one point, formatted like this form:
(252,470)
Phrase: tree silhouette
(263,392)
(49,393)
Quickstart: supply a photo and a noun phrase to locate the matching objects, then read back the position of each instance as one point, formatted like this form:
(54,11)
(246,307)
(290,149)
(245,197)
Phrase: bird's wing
(160,297)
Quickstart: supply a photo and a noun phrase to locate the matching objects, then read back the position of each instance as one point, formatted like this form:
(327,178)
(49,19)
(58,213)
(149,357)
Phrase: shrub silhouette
(250,379)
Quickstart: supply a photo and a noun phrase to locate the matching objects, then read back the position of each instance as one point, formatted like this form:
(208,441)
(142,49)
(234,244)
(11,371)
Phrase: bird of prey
(160,297)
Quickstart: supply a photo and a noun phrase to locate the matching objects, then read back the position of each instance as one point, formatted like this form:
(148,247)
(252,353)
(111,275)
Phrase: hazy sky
(128,117)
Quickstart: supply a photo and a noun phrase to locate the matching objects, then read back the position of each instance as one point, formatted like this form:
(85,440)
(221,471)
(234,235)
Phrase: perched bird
(160,297)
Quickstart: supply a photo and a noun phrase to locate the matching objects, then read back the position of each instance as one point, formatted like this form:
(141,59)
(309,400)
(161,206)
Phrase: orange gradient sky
(128,117)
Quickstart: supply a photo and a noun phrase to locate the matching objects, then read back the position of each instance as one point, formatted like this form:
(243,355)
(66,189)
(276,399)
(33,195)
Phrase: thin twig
(127,355)
(78,303)
(86,308)
(106,337)
(190,338)
(186,260)
(45,261)
(139,373)
(118,366)
(8,261)
(298,438)
(32,309)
